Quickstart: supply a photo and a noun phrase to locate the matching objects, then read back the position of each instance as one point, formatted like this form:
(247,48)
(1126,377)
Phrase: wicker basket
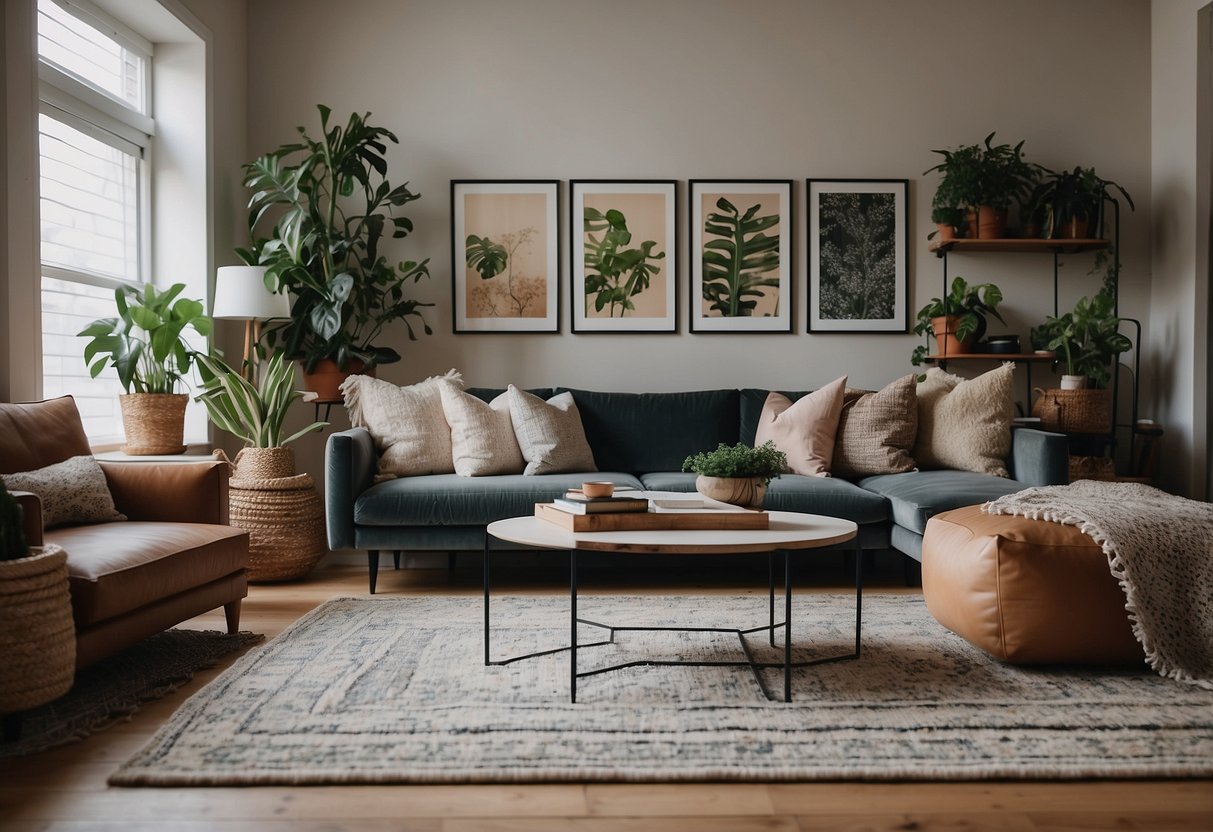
(1074,411)
(282,514)
(37,635)
(154,423)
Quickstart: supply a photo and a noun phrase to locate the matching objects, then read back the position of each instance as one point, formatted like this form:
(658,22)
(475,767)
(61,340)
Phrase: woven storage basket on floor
(154,423)
(37,635)
(1074,411)
(282,514)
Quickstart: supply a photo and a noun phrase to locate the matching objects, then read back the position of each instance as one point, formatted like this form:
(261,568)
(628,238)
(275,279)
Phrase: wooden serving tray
(652,520)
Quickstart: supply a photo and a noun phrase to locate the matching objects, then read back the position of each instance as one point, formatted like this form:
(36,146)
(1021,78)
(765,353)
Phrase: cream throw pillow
(966,424)
(877,430)
(73,491)
(482,434)
(549,433)
(804,430)
(407,423)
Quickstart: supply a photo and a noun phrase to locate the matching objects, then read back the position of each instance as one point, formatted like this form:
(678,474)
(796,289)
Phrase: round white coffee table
(788,532)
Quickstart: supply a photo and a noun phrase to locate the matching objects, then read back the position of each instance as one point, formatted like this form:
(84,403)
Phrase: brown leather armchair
(174,558)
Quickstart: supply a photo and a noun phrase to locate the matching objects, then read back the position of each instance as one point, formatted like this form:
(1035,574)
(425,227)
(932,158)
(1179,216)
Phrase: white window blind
(95,52)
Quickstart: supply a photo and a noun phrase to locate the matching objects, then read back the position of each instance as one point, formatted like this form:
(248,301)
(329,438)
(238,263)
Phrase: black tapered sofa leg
(372,560)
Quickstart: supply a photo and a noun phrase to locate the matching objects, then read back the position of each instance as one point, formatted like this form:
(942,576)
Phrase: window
(94,141)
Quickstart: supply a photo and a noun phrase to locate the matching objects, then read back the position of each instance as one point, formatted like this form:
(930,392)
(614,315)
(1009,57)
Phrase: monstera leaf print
(615,274)
(737,263)
(485,256)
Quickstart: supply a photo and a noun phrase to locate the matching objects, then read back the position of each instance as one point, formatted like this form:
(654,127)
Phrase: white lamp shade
(240,294)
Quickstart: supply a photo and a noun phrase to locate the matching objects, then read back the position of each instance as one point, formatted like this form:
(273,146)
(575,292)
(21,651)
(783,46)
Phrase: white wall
(1177,352)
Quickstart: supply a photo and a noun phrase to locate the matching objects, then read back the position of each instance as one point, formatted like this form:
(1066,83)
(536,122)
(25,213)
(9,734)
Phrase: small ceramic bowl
(598,489)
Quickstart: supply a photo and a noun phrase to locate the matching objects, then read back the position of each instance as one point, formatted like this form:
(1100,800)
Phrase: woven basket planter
(1074,411)
(281,512)
(37,634)
(154,423)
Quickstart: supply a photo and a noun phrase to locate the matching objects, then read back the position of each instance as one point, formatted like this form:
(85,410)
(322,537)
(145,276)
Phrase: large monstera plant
(736,266)
(327,206)
(614,273)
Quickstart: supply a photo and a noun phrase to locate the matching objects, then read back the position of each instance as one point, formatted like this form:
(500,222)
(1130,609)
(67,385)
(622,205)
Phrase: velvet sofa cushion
(644,432)
(917,496)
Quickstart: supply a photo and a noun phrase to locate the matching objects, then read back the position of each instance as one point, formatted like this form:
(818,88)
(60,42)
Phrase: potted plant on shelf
(1075,200)
(739,474)
(957,319)
(329,208)
(985,179)
(146,344)
(280,510)
(949,222)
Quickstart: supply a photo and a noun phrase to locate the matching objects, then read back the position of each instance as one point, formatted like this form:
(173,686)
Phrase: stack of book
(574,502)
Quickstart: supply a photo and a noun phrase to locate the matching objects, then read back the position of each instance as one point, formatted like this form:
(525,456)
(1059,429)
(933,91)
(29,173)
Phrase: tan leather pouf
(1025,591)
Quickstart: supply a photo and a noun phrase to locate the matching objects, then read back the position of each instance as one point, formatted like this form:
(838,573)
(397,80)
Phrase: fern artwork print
(741,255)
(857,234)
(505,256)
(624,266)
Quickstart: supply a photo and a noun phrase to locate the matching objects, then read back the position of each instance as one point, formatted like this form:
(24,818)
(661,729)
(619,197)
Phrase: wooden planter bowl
(747,492)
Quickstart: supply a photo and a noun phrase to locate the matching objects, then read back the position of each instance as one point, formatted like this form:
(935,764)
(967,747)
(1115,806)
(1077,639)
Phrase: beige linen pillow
(407,423)
(804,430)
(72,492)
(482,434)
(877,430)
(965,424)
(549,433)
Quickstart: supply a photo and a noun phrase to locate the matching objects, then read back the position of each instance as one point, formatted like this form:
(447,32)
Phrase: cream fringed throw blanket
(1160,548)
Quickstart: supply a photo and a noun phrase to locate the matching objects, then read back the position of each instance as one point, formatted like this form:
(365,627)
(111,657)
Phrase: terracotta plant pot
(747,492)
(154,423)
(946,341)
(325,381)
(988,223)
(1075,228)
(946,232)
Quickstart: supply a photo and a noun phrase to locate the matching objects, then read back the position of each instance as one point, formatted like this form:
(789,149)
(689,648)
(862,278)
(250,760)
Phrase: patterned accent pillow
(966,424)
(549,433)
(877,430)
(804,430)
(482,435)
(407,423)
(72,492)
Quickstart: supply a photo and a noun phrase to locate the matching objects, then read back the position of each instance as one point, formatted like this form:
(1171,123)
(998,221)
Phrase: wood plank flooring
(64,790)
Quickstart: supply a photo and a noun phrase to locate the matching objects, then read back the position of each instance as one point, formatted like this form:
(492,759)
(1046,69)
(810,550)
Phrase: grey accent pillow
(482,434)
(877,430)
(549,433)
(73,492)
(407,423)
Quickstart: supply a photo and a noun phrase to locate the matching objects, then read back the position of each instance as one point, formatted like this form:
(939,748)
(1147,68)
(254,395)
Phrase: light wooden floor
(65,789)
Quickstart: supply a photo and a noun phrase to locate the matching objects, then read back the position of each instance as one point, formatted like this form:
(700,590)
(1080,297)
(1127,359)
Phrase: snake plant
(254,413)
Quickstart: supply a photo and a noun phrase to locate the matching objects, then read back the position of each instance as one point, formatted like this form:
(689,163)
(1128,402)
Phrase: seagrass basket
(37,634)
(154,423)
(1074,411)
(281,512)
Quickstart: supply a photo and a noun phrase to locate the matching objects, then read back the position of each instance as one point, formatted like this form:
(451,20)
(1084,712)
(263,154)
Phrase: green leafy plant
(986,174)
(1086,340)
(254,413)
(735,266)
(615,274)
(947,215)
(740,460)
(970,304)
(12,536)
(1077,195)
(329,206)
(146,342)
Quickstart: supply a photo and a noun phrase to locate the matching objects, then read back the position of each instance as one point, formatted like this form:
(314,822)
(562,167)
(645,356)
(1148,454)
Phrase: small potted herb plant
(985,179)
(739,474)
(949,222)
(957,319)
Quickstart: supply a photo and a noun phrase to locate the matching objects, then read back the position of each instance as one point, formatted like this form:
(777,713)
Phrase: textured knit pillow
(482,435)
(804,430)
(965,424)
(407,423)
(876,432)
(72,492)
(549,433)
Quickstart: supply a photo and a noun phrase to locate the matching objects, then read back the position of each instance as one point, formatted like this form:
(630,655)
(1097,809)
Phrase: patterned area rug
(114,688)
(394,690)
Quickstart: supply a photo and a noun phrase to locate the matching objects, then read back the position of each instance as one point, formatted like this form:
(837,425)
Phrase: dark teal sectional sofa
(641,440)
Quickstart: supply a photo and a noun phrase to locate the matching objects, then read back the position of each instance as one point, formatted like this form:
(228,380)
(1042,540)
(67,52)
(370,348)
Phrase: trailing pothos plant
(327,206)
(736,264)
(614,274)
(254,413)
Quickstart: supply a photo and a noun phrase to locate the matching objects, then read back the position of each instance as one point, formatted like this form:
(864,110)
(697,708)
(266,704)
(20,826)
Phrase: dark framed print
(505,255)
(624,259)
(741,255)
(858,255)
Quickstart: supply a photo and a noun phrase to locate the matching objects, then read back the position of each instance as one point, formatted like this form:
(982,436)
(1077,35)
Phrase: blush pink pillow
(805,430)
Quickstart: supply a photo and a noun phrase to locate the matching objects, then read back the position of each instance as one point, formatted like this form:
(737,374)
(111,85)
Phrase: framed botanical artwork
(623,255)
(858,255)
(741,255)
(505,256)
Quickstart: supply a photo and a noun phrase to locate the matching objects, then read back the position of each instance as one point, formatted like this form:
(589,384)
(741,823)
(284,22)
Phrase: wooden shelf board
(993,356)
(1014,244)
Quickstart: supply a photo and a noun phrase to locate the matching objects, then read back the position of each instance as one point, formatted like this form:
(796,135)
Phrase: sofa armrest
(173,492)
(350,462)
(1039,457)
(31,516)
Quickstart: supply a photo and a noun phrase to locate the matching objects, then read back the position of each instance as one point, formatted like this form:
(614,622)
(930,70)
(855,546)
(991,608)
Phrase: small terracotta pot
(747,492)
(946,341)
(1075,228)
(946,232)
(325,381)
(988,223)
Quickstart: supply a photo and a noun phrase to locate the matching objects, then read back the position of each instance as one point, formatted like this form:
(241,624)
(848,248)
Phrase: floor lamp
(240,295)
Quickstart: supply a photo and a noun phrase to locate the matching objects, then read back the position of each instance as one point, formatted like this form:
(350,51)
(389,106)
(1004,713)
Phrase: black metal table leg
(787,627)
(573,625)
(372,562)
(858,592)
(771,596)
(487,538)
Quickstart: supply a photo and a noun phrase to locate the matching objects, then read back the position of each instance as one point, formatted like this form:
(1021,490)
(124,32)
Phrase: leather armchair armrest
(31,516)
(173,492)
(350,461)
(1039,457)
